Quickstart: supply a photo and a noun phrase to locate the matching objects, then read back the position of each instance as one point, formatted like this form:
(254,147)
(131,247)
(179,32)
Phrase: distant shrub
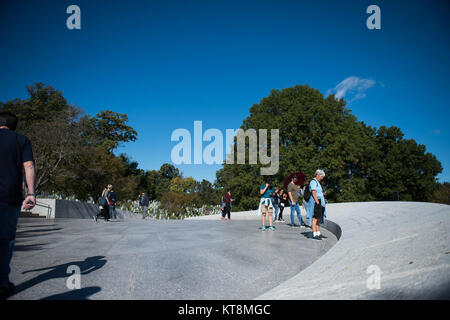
(178,203)
(442,194)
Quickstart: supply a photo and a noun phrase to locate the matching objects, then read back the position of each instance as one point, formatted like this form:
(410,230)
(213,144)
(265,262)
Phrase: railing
(43,205)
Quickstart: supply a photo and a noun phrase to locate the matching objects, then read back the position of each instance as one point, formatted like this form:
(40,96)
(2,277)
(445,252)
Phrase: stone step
(26,214)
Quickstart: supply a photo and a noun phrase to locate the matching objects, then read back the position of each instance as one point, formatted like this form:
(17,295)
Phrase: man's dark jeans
(112,211)
(8,223)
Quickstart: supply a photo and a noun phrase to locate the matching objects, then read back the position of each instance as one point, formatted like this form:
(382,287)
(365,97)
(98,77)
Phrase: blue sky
(169,63)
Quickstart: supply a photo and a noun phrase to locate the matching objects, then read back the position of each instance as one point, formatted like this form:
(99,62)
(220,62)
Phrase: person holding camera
(266,206)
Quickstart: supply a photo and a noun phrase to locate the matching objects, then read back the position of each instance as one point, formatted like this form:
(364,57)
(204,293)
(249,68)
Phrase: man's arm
(262,191)
(314,194)
(30,177)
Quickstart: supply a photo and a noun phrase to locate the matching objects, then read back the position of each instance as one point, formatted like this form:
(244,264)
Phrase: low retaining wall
(387,250)
(67,209)
(83,210)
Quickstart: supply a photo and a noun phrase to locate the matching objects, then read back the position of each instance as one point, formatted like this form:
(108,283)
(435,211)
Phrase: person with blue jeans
(293,202)
(144,202)
(15,153)
(112,204)
(275,202)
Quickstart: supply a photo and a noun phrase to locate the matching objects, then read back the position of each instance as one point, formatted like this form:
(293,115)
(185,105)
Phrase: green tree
(207,194)
(45,104)
(108,129)
(73,151)
(361,162)
(442,193)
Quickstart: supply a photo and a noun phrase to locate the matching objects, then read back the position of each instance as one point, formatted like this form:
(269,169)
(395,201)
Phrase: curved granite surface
(408,242)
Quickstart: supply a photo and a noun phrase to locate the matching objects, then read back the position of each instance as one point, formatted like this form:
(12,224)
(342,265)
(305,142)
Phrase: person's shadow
(60,271)
(79,294)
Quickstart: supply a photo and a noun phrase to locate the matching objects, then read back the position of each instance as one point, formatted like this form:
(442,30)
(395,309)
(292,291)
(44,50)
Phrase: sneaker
(322,237)
(316,238)
(271,228)
(95,218)
(294,225)
(263,228)
(7,292)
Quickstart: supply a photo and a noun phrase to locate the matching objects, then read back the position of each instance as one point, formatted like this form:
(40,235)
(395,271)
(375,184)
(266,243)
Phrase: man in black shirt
(112,204)
(144,202)
(15,154)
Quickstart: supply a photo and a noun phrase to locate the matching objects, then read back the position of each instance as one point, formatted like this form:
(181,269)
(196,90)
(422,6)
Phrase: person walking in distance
(144,203)
(283,204)
(228,205)
(293,202)
(306,192)
(112,203)
(106,194)
(15,154)
(223,204)
(275,202)
(103,205)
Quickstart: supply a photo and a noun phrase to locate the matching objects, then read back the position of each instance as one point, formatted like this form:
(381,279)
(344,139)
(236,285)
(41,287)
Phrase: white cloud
(435,131)
(353,88)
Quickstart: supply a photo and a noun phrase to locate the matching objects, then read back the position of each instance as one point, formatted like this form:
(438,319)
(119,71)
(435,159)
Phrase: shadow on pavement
(79,294)
(307,234)
(35,233)
(39,230)
(87,266)
(29,247)
(23,225)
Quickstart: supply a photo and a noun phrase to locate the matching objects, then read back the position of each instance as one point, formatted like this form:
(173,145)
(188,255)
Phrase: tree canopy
(361,163)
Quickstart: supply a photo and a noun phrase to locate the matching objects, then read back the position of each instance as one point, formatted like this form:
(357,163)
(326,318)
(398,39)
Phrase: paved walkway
(153,259)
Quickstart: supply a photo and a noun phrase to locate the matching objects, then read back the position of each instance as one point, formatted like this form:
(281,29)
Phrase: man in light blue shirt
(316,204)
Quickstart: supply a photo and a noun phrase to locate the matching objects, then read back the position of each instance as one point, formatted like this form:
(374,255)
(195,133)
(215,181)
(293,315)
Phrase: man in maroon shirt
(228,204)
